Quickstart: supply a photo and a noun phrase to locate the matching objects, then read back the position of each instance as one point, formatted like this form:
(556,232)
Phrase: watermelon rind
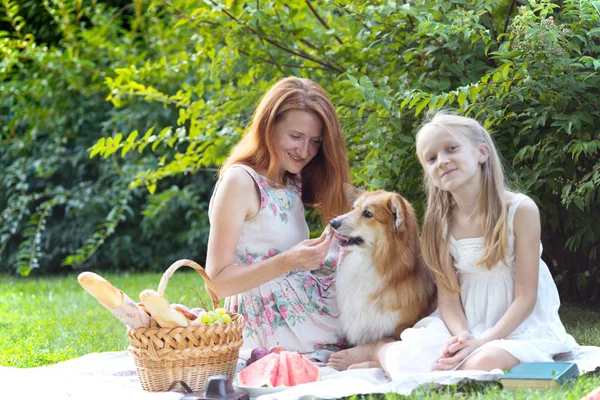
(260,373)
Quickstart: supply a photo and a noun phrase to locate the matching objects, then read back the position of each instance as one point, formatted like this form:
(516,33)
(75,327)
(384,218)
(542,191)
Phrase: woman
(259,255)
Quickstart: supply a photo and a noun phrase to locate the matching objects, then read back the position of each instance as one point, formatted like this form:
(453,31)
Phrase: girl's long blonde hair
(322,179)
(491,202)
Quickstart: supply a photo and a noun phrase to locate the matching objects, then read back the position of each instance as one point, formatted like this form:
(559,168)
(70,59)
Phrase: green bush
(529,72)
(59,207)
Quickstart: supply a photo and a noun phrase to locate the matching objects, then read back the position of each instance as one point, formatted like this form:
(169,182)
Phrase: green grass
(47,320)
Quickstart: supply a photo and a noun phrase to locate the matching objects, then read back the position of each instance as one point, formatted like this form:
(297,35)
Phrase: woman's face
(297,137)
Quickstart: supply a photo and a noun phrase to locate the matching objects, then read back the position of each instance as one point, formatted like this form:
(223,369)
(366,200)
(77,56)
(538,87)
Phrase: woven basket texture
(190,354)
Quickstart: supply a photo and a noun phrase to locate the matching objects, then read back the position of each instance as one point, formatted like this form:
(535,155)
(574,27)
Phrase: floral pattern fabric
(297,310)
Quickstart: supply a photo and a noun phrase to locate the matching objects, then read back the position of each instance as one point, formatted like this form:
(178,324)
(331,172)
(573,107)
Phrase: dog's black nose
(335,223)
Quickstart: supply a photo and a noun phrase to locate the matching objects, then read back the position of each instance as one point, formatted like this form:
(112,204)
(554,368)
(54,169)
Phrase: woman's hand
(456,349)
(308,254)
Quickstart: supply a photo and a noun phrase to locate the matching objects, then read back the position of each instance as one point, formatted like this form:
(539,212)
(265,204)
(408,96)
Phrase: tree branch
(183,14)
(274,62)
(510,10)
(321,20)
(309,44)
(281,46)
(410,21)
(362,17)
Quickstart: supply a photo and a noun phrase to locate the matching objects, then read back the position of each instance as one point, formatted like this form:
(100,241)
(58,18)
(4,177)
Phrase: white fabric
(111,375)
(96,376)
(485,296)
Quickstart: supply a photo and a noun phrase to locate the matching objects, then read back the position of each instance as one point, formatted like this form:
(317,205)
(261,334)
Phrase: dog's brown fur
(387,225)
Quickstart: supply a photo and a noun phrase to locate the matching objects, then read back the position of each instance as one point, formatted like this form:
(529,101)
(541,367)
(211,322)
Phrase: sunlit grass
(52,319)
(47,320)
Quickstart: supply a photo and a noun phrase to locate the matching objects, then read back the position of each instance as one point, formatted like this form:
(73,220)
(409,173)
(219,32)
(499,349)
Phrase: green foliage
(58,206)
(529,72)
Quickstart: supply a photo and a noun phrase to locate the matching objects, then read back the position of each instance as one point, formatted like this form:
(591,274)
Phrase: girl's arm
(235,201)
(453,316)
(451,310)
(527,259)
(527,247)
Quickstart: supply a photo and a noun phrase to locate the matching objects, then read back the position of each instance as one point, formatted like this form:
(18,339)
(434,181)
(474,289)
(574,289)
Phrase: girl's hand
(455,343)
(458,351)
(308,254)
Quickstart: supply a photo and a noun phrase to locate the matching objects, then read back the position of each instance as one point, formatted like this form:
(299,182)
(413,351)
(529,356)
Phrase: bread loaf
(108,295)
(161,311)
(113,299)
(186,312)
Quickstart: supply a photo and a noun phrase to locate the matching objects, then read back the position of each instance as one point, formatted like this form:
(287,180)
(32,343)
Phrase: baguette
(161,311)
(114,300)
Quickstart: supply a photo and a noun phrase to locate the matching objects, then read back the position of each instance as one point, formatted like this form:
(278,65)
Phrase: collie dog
(383,285)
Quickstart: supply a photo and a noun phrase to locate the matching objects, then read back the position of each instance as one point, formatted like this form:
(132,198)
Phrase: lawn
(47,320)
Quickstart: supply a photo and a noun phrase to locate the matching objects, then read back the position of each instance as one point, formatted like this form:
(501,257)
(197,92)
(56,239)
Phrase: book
(539,375)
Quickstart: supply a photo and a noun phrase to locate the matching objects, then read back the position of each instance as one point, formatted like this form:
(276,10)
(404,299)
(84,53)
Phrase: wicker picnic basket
(190,354)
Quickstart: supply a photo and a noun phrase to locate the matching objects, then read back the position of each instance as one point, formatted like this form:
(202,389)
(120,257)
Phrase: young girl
(498,304)
(259,256)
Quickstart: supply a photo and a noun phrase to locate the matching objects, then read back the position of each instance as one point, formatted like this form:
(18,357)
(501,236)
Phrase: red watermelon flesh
(283,378)
(260,373)
(300,369)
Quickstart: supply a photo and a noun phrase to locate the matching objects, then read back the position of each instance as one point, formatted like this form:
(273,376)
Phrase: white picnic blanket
(112,376)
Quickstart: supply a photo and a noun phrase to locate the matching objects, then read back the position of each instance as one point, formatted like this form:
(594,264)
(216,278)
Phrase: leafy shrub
(58,206)
(529,72)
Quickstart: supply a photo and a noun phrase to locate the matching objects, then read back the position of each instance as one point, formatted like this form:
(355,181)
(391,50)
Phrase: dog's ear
(396,207)
(352,193)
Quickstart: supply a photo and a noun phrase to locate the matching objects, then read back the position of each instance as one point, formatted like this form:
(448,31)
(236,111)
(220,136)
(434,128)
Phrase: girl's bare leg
(489,359)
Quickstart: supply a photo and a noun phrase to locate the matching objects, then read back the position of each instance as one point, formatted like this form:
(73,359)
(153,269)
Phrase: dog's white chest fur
(363,319)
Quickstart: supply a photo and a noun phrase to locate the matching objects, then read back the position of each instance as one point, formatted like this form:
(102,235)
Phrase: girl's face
(297,137)
(451,160)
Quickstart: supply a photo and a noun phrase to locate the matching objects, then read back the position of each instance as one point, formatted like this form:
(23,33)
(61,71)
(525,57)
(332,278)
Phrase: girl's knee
(489,359)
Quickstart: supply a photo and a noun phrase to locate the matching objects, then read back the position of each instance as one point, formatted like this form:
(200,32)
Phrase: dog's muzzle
(344,240)
(336,223)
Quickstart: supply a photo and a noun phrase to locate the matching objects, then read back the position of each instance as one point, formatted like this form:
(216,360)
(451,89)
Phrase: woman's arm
(235,201)
(527,257)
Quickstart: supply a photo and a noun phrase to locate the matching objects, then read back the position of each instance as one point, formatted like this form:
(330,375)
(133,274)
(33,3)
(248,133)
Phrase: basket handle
(189,263)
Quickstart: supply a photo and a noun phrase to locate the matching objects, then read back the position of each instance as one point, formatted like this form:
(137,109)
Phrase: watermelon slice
(279,369)
(301,369)
(283,378)
(260,373)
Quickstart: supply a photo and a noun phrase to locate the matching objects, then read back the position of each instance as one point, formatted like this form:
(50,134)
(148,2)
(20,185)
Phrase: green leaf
(181,22)
(125,150)
(132,136)
(421,105)
(352,79)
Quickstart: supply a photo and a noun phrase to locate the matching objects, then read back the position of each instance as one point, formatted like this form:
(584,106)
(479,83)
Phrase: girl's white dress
(485,296)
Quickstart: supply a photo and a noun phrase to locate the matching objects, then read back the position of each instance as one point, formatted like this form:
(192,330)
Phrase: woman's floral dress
(297,310)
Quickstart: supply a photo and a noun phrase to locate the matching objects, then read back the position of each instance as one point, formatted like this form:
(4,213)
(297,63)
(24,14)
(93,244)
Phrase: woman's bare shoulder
(236,179)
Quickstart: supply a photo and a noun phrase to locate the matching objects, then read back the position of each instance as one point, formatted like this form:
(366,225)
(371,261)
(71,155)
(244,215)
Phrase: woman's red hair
(322,179)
